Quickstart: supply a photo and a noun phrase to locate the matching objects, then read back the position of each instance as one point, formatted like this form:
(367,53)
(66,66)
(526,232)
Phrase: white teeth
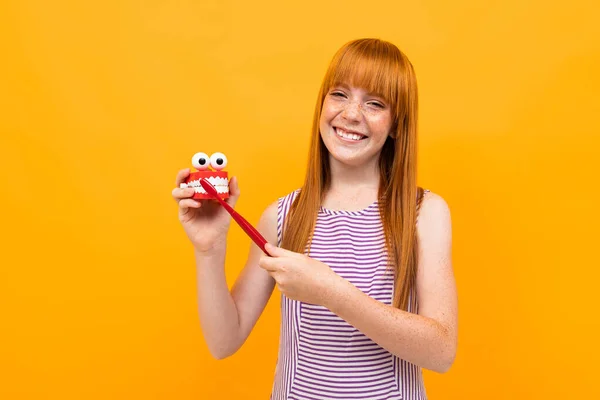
(221,184)
(346,135)
(220,189)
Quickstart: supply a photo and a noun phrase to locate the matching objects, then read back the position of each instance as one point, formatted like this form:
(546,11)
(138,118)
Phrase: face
(354,125)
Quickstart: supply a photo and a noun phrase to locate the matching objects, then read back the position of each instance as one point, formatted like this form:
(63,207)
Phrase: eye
(218,161)
(200,161)
(338,94)
(379,105)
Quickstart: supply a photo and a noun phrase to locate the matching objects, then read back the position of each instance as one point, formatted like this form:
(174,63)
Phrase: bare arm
(428,339)
(227,318)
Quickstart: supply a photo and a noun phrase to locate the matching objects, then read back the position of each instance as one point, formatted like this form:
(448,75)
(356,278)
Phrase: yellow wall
(102,103)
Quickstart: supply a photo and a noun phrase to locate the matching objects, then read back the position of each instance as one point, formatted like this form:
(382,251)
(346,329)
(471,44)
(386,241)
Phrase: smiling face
(354,124)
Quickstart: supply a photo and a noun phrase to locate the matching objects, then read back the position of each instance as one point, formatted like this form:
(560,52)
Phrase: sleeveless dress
(321,356)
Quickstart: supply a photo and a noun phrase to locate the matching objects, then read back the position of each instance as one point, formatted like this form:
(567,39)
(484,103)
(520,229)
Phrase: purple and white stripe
(321,356)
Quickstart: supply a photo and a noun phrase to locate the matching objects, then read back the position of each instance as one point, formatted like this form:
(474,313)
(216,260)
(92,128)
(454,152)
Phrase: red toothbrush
(245,225)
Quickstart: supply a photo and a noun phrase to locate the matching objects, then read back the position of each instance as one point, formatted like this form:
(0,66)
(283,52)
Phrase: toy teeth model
(217,178)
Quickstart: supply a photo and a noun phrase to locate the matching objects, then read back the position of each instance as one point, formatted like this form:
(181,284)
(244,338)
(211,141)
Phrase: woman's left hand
(300,277)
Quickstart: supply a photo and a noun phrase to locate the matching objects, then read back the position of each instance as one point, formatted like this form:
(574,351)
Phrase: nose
(352,109)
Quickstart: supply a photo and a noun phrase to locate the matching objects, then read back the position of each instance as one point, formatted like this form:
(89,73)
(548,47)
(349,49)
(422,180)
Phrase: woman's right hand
(205,222)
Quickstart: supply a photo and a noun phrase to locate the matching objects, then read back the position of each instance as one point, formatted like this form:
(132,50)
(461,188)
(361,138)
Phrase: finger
(276,277)
(181,175)
(234,191)
(182,193)
(268,264)
(279,252)
(189,203)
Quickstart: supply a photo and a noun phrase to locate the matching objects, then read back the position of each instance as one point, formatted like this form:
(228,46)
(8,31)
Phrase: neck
(352,186)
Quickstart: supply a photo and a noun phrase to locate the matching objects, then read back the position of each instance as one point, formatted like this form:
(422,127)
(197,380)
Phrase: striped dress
(321,356)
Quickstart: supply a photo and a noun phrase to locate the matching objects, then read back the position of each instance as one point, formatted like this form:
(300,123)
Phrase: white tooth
(222,189)
(220,184)
(346,135)
(214,180)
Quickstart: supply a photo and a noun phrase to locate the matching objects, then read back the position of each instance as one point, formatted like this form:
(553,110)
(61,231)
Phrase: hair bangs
(368,65)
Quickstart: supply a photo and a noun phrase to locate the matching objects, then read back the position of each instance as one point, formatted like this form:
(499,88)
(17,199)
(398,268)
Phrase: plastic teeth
(220,184)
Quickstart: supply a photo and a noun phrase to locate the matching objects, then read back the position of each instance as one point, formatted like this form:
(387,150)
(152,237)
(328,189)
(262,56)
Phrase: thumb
(275,251)
(234,191)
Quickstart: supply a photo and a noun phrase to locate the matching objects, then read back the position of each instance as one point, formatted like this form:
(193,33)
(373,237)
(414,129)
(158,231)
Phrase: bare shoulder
(434,235)
(267,224)
(271,210)
(434,220)
(435,280)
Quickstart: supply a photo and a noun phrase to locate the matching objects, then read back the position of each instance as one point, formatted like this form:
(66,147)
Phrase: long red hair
(379,67)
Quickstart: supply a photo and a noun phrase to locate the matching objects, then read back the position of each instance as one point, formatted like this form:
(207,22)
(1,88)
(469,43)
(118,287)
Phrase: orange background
(103,102)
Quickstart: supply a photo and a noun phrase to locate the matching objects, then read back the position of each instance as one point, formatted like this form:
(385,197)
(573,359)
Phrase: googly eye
(201,161)
(218,161)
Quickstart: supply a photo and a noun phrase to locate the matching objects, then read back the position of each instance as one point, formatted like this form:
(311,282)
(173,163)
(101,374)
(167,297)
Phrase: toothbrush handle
(246,226)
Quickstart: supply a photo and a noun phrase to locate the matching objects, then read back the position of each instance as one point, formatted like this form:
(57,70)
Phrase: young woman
(360,253)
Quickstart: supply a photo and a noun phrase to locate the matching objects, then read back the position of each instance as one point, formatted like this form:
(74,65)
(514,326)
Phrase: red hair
(378,67)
